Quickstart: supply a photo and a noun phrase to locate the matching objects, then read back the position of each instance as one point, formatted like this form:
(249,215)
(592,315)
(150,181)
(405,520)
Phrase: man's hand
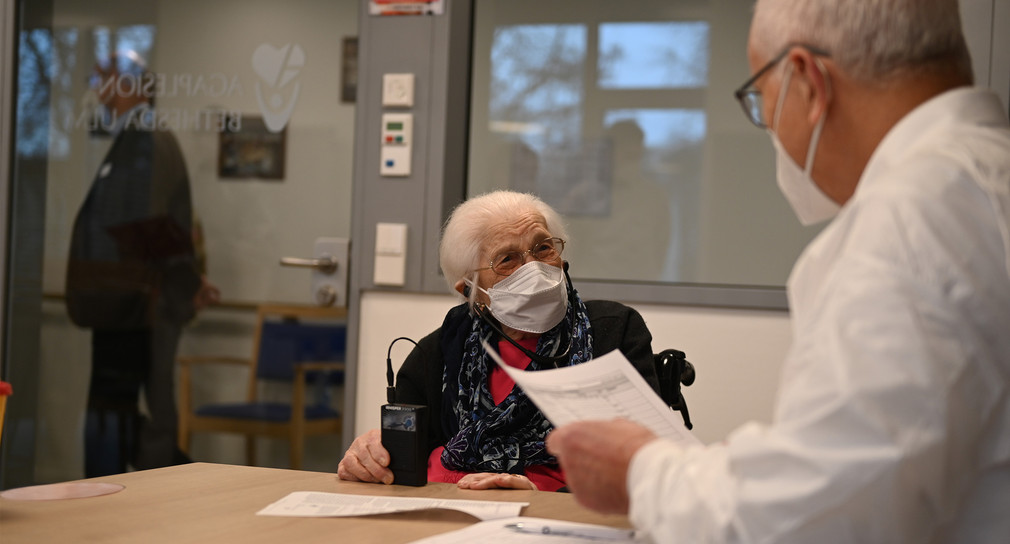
(207,295)
(366,460)
(595,456)
(492,480)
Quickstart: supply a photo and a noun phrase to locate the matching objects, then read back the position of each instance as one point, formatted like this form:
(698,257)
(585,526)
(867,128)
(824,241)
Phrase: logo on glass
(277,90)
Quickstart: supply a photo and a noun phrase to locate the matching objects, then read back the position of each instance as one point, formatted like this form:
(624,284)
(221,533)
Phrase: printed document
(319,504)
(606,387)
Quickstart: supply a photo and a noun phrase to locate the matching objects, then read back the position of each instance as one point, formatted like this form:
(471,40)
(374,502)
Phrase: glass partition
(220,137)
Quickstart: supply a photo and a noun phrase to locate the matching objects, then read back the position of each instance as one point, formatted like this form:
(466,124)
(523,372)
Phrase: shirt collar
(967,105)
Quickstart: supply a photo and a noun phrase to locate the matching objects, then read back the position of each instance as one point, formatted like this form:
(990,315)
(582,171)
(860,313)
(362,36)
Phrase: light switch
(390,254)
(398,90)
(391,238)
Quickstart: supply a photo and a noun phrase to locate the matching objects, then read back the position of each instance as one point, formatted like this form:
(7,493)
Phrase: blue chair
(298,345)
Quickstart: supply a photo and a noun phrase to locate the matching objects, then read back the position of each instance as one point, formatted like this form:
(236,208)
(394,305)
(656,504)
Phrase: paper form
(606,387)
(498,531)
(318,504)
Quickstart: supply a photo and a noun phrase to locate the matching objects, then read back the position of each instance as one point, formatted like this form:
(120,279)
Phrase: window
(620,115)
(656,55)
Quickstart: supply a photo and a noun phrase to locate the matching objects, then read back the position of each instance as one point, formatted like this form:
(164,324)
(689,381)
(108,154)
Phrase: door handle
(324,263)
(329,269)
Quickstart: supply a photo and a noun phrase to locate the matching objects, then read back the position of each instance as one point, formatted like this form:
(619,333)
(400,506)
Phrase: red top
(546,477)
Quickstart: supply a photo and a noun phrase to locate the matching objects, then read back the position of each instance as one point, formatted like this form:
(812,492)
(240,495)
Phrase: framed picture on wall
(251,151)
(349,70)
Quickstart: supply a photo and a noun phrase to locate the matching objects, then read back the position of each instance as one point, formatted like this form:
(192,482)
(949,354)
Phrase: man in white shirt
(892,422)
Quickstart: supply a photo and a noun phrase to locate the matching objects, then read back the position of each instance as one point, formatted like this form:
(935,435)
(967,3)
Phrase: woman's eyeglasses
(506,263)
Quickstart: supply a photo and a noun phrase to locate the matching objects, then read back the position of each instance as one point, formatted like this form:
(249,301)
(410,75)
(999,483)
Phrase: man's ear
(812,77)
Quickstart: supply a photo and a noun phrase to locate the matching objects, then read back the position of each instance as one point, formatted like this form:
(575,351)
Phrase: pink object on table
(65,490)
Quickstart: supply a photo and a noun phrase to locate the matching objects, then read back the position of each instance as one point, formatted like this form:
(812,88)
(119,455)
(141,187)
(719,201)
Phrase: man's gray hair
(871,40)
(468,229)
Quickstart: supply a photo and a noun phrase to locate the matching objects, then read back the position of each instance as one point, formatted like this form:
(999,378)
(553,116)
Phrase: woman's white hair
(871,40)
(469,227)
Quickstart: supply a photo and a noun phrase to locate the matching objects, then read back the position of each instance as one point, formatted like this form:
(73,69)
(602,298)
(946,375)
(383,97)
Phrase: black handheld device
(404,433)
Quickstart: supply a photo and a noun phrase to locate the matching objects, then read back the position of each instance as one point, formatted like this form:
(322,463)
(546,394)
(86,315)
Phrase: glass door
(198,143)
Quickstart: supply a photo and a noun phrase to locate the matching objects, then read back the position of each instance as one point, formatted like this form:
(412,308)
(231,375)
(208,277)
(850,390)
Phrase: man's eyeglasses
(506,263)
(750,97)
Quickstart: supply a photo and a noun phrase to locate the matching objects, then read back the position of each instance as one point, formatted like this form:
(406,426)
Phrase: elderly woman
(502,252)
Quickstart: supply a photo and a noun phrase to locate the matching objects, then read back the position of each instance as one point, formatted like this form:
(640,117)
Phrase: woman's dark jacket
(419,380)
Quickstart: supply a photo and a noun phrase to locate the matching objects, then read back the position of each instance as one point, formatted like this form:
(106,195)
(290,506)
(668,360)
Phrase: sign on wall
(406,7)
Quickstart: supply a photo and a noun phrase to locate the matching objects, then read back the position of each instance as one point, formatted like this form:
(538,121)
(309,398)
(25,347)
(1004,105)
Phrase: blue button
(389,163)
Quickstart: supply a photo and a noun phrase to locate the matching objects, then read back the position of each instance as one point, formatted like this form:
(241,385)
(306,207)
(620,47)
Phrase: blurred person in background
(134,277)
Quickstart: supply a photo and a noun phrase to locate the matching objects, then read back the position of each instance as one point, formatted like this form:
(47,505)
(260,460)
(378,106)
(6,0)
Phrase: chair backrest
(292,334)
(286,342)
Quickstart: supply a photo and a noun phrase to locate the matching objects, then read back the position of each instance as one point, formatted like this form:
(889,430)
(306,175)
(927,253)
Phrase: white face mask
(532,299)
(809,203)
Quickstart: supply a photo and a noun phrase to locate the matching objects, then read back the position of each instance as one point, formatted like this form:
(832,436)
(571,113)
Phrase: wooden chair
(297,344)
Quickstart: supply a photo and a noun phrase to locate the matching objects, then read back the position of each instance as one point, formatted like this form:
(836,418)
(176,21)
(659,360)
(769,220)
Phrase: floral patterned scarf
(510,436)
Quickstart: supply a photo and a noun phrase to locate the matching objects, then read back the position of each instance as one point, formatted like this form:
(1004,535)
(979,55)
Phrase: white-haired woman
(502,252)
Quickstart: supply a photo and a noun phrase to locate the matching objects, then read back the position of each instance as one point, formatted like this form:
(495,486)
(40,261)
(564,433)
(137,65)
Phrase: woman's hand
(494,480)
(366,460)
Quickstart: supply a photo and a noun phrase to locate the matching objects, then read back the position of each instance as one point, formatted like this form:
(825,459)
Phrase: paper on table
(318,504)
(606,387)
(497,531)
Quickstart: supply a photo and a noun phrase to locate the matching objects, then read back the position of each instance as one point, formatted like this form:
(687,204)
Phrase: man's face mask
(809,203)
(532,299)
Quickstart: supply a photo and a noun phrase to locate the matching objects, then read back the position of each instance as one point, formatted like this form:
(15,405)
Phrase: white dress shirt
(892,423)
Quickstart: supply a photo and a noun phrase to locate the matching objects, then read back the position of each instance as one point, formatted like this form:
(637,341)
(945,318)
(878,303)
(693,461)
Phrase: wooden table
(204,502)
